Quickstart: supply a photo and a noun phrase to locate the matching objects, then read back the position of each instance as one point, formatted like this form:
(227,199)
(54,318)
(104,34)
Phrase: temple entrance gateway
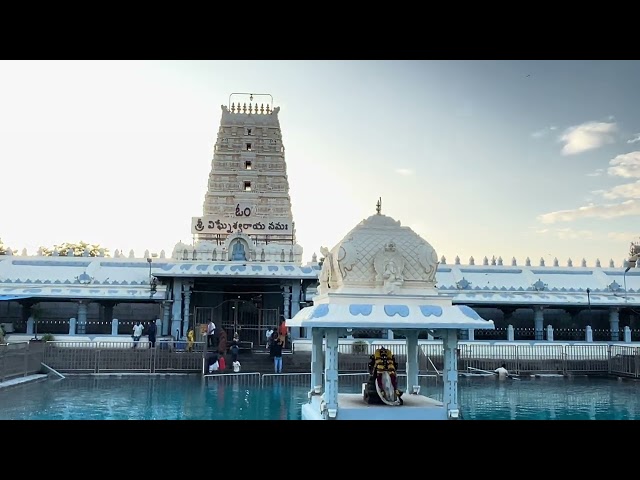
(238,315)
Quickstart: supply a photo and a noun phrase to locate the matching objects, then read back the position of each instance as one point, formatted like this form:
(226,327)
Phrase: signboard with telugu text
(251,226)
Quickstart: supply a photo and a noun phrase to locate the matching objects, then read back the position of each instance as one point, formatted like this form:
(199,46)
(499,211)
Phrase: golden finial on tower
(379,205)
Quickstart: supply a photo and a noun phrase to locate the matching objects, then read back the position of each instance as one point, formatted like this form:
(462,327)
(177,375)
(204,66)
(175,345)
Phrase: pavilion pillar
(331,374)
(413,385)
(450,374)
(317,360)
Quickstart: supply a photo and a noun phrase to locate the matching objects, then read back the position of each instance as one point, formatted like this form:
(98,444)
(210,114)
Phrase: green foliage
(78,249)
(3,248)
(47,337)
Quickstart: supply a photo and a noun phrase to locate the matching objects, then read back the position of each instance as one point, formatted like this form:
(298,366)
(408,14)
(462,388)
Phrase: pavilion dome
(379,255)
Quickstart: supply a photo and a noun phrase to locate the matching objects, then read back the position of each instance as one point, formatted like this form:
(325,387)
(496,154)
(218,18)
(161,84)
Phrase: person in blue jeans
(276,352)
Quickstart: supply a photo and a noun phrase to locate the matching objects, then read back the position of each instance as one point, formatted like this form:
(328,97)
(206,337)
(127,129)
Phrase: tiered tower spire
(248,188)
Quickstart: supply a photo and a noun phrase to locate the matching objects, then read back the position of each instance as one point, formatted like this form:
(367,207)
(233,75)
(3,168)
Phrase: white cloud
(566,233)
(627,190)
(606,211)
(636,138)
(626,165)
(622,236)
(588,136)
(596,173)
(404,171)
(545,131)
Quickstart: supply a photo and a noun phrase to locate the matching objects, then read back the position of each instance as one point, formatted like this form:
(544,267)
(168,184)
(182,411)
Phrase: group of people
(216,358)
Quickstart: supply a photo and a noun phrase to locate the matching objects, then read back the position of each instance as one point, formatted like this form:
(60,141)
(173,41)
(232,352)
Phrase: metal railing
(267,380)
(108,357)
(19,360)
(22,359)
(624,361)
(286,379)
(227,379)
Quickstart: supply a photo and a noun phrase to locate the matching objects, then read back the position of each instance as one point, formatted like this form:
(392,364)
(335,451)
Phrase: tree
(78,249)
(3,248)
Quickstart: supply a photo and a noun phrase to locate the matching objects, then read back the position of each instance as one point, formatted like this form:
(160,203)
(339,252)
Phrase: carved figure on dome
(347,257)
(382,386)
(389,265)
(326,274)
(428,261)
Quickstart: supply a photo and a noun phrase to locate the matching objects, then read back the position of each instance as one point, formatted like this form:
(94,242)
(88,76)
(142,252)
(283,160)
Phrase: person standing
(235,349)
(283,331)
(211,332)
(137,333)
(222,348)
(191,337)
(276,352)
(152,329)
(502,371)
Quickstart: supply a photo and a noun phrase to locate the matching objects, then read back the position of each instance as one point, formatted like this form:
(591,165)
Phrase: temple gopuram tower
(247,209)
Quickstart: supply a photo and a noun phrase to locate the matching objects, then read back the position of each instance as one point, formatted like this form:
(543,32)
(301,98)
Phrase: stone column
(176,314)
(317,360)
(295,306)
(82,317)
(187,306)
(538,319)
(108,311)
(614,324)
(166,316)
(114,326)
(286,295)
(627,335)
(30,324)
(413,384)
(450,373)
(331,373)
(507,316)
(72,326)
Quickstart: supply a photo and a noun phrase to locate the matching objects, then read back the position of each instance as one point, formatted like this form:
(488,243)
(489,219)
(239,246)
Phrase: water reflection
(191,398)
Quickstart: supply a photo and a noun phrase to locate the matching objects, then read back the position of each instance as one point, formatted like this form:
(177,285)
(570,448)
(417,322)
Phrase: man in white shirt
(502,371)
(137,333)
(268,334)
(211,331)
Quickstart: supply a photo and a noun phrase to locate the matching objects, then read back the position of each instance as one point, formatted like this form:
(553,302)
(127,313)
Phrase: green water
(187,397)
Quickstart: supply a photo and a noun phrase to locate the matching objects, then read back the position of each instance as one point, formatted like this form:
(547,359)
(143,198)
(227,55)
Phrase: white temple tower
(247,199)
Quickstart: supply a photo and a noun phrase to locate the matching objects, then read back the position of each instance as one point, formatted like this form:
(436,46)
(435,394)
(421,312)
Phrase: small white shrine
(382,276)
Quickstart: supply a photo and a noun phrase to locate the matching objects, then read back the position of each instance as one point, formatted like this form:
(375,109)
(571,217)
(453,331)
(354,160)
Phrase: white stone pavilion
(382,276)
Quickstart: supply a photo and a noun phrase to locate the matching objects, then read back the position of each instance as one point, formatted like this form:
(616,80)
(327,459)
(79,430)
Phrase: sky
(481,158)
